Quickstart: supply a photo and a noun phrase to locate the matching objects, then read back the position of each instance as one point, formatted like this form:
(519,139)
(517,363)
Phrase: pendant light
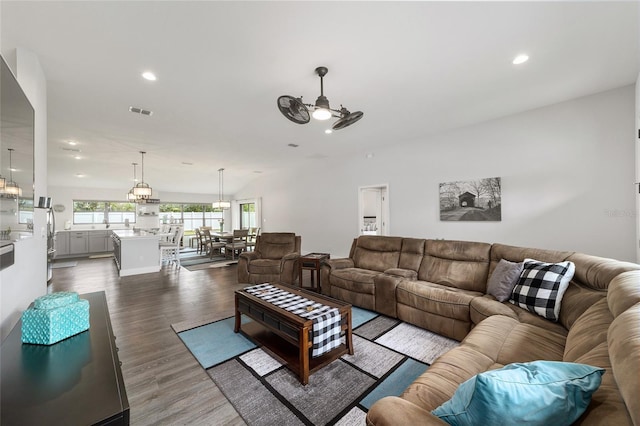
(11,187)
(130,195)
(142,190)
(221,203)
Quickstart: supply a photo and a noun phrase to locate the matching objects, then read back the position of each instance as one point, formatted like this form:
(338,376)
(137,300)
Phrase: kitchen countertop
(130,233)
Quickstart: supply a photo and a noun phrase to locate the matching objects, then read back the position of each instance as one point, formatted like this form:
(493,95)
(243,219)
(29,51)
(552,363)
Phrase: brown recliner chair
(275,259)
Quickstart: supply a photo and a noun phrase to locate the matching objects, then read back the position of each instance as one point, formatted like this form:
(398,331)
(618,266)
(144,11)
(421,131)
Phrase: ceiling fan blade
(293,109)
(347,120)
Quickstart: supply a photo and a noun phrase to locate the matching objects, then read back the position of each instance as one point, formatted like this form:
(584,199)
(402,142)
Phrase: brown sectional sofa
(441,286)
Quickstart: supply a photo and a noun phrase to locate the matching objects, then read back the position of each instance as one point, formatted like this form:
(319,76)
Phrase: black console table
(77,381)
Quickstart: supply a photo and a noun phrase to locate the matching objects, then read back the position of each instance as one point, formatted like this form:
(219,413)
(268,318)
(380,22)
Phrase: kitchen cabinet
(78,242)
(83,243)
(61,244)
(100,241)
(136,252)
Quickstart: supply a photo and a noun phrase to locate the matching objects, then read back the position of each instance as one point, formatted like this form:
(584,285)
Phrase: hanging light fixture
(2,183)
(130,195)
(221,203)
(142,190)
(11,187)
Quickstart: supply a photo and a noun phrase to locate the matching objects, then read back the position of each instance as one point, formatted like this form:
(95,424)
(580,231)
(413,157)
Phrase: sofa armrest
(289,268)
(290,256)
(385,293)
(327,267)
(339,263)
(248,256)
(243,266)
(392,410)
(402,273)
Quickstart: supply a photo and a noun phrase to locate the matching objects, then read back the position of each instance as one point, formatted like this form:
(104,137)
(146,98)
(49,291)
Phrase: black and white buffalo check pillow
(541,286)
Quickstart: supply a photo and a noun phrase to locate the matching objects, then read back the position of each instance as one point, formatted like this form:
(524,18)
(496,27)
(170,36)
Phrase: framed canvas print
(472,200)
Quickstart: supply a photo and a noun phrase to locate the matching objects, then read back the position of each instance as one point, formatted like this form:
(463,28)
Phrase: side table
(312,262)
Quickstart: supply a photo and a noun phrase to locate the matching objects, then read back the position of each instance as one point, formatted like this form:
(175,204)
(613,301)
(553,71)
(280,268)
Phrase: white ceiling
(413,68)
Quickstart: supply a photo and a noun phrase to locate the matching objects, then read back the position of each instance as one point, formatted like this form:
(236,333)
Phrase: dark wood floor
(164,382)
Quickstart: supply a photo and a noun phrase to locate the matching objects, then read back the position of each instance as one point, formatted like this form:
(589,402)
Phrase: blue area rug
(384,363)
(214,343)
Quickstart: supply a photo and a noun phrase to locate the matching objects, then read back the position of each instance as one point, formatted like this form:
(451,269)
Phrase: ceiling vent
(140,111)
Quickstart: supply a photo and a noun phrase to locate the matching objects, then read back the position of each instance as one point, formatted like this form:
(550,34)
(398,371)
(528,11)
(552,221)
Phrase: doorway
(373,210)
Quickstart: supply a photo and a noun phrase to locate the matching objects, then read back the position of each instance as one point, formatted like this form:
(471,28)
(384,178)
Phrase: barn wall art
(472,200)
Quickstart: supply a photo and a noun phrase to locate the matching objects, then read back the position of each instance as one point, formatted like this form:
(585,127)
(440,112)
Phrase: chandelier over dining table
(221,203)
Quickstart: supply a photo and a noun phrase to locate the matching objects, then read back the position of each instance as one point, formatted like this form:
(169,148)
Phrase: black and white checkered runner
(326,320)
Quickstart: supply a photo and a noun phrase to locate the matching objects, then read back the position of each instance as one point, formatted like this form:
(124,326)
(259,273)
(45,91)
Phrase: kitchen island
(136,252)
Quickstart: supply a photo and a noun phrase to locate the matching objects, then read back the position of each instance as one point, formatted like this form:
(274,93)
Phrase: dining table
(223,236)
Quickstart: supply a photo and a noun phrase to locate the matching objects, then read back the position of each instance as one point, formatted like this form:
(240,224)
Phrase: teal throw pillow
(534,393)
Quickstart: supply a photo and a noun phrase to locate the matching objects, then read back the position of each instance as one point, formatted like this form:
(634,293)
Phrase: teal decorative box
(55,317)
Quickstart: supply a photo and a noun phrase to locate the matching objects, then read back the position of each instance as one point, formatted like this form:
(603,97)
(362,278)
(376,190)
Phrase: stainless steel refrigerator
(45,203)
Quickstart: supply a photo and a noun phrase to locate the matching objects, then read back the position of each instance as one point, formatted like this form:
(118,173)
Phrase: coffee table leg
(304,355)
(349,341)
(236,327)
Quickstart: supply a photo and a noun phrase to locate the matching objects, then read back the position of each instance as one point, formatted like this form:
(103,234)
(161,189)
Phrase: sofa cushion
(607,406)
(412,253)
(541,287)
(589,331)
(460,264)
(354,279)
(519,254)
(596,272)
(623,342)
(264,266)
(503,279)
(536,393)
(438,299)
(274,245)
(377,253)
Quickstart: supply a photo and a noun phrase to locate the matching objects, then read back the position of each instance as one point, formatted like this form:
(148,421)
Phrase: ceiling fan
(298,112)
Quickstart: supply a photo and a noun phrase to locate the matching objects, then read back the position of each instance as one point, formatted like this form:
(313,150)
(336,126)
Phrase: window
(25,210)
(192,215)
(86,212)
(247,215)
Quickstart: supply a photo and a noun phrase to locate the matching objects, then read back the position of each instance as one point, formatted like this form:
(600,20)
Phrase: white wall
(26,280)
(566,169)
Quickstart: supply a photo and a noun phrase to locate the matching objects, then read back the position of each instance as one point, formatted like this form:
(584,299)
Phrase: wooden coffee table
(287,336)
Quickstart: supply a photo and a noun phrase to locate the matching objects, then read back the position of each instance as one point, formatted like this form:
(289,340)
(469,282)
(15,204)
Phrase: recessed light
(77,157)
(80,175)
(72,143)
(257,171)
(328,131)
(148,75)
(369,155)
(520,59)
(186,163)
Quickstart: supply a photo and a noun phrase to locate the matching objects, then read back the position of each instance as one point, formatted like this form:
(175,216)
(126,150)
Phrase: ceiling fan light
(322,110)
(321,114)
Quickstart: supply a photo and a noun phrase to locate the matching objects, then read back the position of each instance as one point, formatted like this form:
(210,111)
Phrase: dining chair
(251,239)
(211,245)
(170,250)
(200,241)
(238,244)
